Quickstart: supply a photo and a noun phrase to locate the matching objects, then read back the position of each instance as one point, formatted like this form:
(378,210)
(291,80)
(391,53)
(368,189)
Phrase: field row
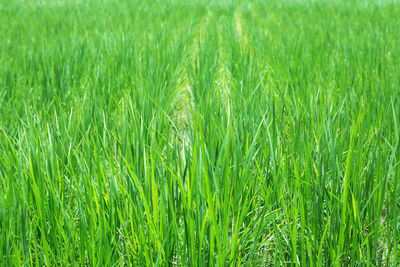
(199,133)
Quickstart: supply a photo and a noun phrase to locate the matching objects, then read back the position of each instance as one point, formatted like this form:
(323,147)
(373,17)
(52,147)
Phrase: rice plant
(199,133)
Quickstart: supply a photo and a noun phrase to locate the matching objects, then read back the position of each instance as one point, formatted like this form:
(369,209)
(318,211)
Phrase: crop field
(199,133)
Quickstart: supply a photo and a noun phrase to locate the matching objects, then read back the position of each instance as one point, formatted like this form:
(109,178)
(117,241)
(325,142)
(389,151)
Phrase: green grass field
(199,133)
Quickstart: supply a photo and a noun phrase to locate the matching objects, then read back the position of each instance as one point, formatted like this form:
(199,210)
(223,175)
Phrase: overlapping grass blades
(199,133)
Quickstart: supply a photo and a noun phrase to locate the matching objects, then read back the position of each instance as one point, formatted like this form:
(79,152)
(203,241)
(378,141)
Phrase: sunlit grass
(199,133)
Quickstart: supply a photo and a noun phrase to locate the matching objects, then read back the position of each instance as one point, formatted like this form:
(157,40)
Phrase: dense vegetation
(197,133)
